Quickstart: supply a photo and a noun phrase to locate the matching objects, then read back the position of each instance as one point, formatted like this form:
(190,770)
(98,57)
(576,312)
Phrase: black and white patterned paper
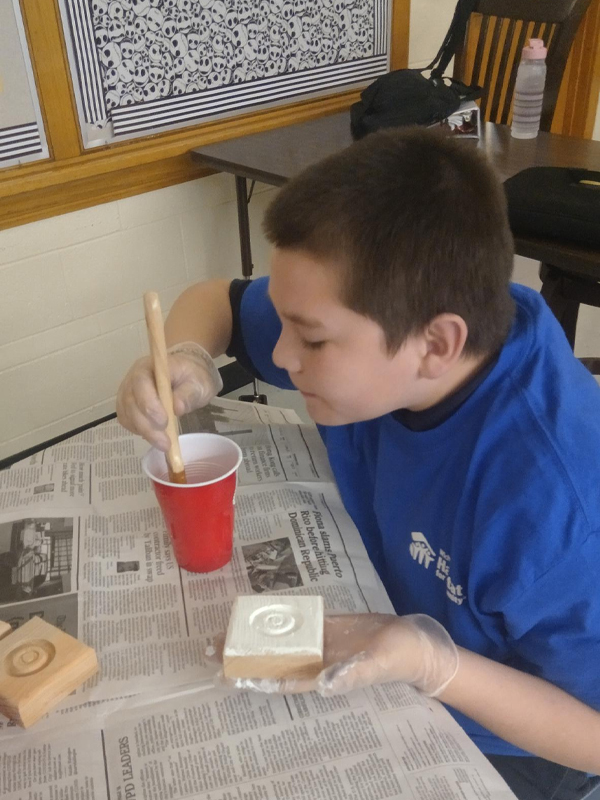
(151,63)
(20,141)
(22,135)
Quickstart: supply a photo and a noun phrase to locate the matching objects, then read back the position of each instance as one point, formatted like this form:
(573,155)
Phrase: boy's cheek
(334,411)
(323,411)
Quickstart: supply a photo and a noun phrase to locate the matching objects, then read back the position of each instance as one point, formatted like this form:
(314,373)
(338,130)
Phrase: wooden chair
(496,34)
(489,57)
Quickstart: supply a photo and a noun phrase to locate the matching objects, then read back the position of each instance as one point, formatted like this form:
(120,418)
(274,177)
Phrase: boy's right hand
(195,381)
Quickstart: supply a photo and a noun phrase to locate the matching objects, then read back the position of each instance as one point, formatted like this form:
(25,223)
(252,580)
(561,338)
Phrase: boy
(463,435)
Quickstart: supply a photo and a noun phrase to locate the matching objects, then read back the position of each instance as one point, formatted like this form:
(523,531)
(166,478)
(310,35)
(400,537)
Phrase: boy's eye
(313,345)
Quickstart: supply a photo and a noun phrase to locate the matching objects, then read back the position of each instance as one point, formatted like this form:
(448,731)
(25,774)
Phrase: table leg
(241,191)
(244,225)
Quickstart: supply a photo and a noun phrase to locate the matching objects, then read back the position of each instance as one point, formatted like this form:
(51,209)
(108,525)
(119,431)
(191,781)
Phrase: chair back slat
(480,49)
(537,32)
(491,68)
(551,32)
(507,50)
(520,41)
(497,32)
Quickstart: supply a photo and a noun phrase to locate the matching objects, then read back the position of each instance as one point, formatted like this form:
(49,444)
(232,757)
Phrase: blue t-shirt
(489,522)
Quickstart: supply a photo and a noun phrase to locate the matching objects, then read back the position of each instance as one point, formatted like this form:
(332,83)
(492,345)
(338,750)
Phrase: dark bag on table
(555,202)
(407,97)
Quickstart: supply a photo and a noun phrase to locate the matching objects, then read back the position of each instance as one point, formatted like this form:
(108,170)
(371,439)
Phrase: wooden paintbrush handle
(158,351)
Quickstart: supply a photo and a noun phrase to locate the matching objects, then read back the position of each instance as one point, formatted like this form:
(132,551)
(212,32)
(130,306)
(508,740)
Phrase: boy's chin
(331,417)
(323,415)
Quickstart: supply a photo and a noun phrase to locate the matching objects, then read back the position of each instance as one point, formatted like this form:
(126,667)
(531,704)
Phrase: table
(275,156)
(157,725)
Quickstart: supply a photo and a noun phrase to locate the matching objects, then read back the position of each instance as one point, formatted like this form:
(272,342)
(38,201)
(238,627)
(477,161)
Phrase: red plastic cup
(198,514)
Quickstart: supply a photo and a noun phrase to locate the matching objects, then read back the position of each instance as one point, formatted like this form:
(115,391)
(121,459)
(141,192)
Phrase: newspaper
(83,545)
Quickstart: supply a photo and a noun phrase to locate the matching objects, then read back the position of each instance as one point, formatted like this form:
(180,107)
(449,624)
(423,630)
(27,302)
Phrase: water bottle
(529,91)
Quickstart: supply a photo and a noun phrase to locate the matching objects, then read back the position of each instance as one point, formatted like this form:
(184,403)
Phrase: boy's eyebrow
(307,322)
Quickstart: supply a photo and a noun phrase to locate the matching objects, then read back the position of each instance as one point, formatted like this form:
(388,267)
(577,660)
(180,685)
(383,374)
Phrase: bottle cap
(535,49)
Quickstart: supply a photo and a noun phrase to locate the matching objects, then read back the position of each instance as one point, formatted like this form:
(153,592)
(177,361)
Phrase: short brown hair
(418,222)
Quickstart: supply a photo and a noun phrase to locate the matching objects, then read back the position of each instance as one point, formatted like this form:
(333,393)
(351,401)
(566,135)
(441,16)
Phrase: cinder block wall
(71,296)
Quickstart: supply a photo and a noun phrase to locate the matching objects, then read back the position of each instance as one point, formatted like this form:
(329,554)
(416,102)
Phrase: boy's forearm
(202,314)
(526,711)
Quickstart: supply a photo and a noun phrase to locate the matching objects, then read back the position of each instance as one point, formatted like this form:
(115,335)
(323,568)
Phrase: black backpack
(407,97)
(555,202)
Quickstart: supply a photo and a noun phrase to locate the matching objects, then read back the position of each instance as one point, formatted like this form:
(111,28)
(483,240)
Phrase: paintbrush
(158,352)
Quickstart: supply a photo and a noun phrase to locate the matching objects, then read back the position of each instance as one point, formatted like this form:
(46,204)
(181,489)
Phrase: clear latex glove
(195,380)
(365,649)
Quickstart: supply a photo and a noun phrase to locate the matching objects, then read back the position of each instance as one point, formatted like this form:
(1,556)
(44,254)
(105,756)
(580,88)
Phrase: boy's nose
(284,355)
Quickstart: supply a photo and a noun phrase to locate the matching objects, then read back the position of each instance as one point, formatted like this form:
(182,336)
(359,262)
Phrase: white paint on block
(271,636)
(275,625)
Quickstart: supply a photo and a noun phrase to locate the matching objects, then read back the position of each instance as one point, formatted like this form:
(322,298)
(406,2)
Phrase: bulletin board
(22,136)
(143,66)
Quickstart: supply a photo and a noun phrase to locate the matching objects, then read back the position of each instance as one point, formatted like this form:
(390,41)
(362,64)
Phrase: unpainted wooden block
(270,636)
(39,666)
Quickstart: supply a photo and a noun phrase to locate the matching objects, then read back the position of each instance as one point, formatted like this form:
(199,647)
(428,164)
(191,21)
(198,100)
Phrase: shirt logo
(420,549)
(423,553)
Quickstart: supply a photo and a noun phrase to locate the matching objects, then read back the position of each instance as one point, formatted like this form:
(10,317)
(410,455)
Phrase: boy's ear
(444,339)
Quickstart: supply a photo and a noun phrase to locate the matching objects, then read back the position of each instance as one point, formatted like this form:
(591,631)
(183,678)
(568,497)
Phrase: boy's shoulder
(543,424)
(538,365)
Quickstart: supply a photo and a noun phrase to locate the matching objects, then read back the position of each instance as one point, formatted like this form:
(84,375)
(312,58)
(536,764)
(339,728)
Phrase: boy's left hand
(365,649)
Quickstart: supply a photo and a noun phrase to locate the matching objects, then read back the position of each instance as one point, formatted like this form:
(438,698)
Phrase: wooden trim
(52,201)
(110,159)
(400,34)
(48,53)
(74,178)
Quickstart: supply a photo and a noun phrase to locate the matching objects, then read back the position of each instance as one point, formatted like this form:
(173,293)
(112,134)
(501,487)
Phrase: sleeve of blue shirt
(256,329)
(555,623)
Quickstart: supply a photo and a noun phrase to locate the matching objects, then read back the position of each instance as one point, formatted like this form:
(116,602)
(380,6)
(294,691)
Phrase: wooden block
(270,636)
(39,666)
(5,629)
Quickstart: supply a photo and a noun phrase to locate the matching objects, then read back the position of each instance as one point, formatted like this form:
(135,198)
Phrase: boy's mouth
(303,392)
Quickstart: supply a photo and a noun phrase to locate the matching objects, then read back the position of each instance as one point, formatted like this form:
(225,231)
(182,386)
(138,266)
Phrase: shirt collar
(430,418)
